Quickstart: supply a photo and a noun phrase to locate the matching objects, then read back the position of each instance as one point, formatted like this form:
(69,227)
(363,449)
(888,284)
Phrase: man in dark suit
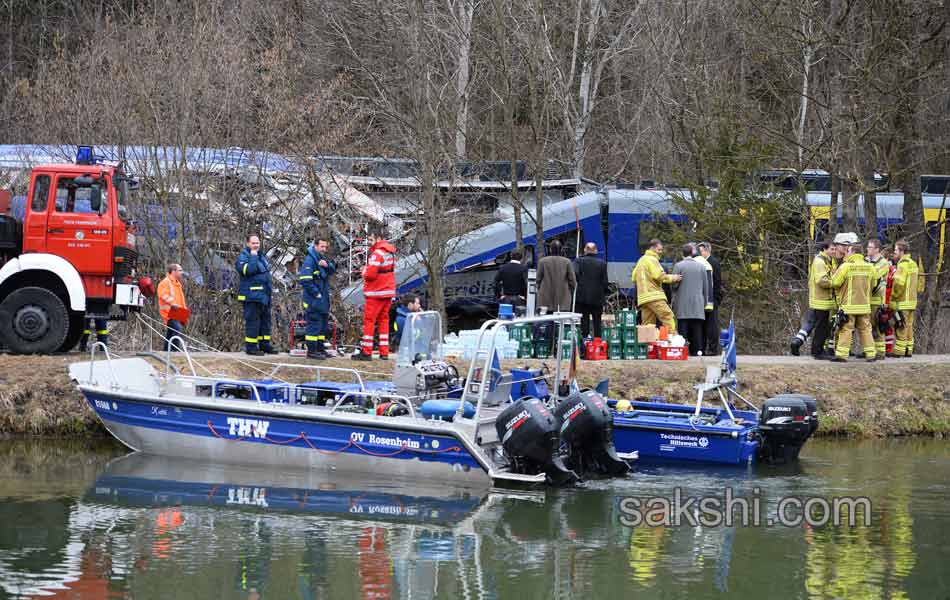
(511,281)
(711,326)
(591,274)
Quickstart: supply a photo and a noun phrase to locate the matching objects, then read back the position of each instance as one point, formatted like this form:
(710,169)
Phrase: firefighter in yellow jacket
(852,283)
(649,277)
(821,303)
(882,267)
(907,285)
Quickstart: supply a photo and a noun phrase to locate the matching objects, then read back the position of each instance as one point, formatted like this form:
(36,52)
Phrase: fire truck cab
(71,257)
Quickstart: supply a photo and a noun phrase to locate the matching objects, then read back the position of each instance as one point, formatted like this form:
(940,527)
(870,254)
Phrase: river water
(88,521)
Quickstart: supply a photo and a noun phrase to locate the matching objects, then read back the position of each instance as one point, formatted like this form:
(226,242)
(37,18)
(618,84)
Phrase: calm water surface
(92,522)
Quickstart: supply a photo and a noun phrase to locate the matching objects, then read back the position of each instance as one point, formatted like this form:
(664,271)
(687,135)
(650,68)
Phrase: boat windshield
(421,338)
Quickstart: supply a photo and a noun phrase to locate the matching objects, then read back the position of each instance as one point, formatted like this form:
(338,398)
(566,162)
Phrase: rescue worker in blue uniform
(255,292)
(314,276)
(101,329)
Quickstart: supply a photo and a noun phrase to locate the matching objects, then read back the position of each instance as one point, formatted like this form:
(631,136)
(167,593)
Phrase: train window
(821,229)
(568,241)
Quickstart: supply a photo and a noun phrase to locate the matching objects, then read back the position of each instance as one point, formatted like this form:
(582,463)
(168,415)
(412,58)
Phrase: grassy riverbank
(896,397)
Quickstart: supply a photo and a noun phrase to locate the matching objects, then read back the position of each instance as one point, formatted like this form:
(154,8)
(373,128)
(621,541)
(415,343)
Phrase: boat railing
(319,368)
(403,400)
(184,350)
(491,328)
(114,384)
(719,380)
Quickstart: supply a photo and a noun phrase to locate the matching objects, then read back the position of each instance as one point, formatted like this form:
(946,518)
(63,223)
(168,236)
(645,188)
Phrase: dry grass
(883,399)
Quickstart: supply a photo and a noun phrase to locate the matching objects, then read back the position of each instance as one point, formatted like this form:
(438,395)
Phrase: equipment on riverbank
(70,256)
(447,428)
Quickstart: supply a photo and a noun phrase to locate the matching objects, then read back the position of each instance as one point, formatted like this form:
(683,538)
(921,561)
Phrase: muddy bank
(896,397)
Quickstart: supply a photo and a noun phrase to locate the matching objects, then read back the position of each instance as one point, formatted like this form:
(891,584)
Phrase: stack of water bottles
(463,344)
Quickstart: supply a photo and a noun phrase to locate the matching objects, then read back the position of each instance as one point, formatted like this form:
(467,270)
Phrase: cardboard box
(647,334)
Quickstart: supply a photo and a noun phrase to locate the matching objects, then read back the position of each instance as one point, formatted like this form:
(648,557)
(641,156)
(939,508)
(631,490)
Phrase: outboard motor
(811,405)
(785,423)
(587,430)
(529,435)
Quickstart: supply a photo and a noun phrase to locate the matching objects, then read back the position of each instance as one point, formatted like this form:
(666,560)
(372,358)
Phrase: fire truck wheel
(76,325)
(33,320)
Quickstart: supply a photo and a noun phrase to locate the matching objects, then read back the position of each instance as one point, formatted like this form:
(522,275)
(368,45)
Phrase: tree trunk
(585,91)
(466,9)
(516,202)
(870,203)
(849,206)
(833,206)
(539,214)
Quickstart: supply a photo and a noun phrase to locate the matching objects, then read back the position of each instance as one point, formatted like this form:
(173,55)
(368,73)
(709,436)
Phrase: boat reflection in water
(255,522)
(156,481)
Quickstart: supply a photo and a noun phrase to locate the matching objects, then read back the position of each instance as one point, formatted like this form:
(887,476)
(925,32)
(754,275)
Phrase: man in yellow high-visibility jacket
(908,283)
(882,267)
(649,277)
(852,284)
(821,303)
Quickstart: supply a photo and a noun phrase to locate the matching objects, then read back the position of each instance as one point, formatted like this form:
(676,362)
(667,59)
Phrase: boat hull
(665,431)
(677,444)
(262,435)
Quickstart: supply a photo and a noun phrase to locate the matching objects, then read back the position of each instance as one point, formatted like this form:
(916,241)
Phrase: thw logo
(247,427)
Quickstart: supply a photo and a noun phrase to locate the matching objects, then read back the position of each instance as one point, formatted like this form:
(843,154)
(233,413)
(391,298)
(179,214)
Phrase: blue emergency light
(84,155)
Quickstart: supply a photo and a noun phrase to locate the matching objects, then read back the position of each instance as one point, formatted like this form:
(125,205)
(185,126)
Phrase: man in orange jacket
(379,289)
(171,297)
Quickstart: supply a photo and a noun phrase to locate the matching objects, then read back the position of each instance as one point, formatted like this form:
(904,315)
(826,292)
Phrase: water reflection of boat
(139,479)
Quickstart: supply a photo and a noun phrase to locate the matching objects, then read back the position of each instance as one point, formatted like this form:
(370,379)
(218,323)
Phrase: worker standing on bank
(821,303)
(907,285)
(379,289)
(255,292)
(101,327)
(882,267)
(171,301)
(314,276)
(852,282)
(649,278)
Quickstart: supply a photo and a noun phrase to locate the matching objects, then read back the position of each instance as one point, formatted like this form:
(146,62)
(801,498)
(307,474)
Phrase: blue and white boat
(428,422)
(717,433)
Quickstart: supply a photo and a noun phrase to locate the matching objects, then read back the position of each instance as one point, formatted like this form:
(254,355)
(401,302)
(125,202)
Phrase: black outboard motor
(785,424)
(529,435)
(587,431)
(811,405)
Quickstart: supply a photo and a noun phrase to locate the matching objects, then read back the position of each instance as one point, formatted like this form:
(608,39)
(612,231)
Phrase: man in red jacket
(379,289)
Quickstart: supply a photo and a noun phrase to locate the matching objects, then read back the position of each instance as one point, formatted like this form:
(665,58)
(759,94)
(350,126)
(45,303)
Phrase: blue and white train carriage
(620,222)
(615,220)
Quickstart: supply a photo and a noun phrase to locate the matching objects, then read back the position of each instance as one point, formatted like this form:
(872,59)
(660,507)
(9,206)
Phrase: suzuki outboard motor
(529,435)
(812,407)
(587,431)
(785,424)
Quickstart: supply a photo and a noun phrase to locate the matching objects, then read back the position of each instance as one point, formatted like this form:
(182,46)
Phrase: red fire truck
(71,256)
